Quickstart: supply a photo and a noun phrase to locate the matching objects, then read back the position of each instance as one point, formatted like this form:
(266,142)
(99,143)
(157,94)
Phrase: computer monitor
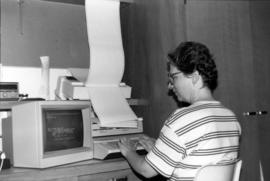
(50,133)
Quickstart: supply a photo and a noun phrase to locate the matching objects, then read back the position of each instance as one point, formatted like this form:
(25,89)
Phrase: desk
(92,170)
(6,105)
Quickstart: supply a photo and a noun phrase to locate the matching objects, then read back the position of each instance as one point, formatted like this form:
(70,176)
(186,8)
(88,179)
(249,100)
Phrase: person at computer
(205,132)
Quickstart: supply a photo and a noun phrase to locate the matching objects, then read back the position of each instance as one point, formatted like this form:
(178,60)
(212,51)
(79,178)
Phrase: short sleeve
(167,152)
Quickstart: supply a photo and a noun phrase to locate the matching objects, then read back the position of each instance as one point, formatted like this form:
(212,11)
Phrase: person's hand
(147,143)
(126,146)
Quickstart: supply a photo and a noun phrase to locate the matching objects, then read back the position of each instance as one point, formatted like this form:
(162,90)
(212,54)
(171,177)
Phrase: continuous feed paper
(107,64)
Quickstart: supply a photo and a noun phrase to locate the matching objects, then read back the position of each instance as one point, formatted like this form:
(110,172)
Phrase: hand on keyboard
(147,143)
(127,145)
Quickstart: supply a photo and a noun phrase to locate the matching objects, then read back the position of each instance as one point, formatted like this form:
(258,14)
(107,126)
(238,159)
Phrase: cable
(3,157)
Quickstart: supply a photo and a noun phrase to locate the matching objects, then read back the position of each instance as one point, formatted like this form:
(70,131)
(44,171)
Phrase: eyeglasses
(172,78)
(173,75)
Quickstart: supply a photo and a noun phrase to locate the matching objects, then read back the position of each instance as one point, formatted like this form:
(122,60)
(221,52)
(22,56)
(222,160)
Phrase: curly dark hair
(191,56)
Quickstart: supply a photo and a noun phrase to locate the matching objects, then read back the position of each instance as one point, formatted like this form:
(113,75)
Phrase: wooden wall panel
(225,28)
(260,14)
(154,28)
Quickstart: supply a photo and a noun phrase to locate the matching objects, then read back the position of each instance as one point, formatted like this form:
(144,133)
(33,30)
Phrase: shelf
(81,2)
(7,105)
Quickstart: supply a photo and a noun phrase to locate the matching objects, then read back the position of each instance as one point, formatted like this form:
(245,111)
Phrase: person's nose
(170,85)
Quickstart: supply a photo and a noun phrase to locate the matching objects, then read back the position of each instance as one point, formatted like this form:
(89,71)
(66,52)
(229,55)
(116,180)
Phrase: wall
(39,28)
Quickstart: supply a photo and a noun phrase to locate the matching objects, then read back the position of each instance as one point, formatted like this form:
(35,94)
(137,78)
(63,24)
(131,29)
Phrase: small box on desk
(9,91)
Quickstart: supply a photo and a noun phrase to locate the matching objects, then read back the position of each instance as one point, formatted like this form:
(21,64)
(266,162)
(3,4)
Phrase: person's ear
(195,77)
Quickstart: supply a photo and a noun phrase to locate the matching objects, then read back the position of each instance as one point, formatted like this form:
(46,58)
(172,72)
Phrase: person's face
(180,84)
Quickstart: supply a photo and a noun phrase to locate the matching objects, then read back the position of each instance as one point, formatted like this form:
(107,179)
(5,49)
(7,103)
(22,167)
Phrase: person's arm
(136,161)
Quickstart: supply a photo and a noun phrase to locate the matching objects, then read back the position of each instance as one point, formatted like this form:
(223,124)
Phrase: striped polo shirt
(204,133)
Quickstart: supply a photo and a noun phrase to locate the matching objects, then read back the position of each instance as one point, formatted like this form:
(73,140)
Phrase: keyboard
(108,147)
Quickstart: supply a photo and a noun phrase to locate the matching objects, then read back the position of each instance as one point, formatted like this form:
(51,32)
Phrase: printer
(105,138)
(70,88)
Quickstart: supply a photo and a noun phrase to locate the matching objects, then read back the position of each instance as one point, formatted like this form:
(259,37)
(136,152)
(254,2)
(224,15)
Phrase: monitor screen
(62,129)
